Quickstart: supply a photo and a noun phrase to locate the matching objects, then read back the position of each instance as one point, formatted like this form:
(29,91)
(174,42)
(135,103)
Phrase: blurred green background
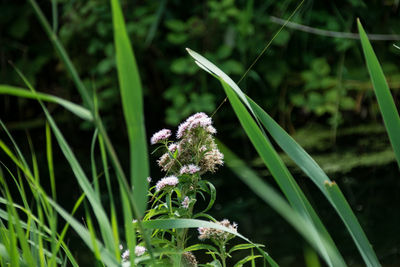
(317,87)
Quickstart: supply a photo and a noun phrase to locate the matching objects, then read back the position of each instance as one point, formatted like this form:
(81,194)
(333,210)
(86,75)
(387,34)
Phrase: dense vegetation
(315,86)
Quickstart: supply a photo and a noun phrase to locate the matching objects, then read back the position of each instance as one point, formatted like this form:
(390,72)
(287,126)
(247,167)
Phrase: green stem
(222,254)
(170,203)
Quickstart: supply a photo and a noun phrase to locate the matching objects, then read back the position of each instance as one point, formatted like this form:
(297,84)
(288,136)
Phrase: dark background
(316,87)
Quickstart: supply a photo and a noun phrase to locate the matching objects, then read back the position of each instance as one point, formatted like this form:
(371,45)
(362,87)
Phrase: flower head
(197,120)
(189,169)
(211,159)
(188,259)
(216,234)
(167,181)
(125,255)
(185,203)
(172,147)
(139,251)
(160,136)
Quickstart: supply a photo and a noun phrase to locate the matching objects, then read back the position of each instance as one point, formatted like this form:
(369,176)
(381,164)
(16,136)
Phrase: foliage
(229,32)
(30,229)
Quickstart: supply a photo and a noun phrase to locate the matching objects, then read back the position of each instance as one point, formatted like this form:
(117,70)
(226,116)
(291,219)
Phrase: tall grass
(30,231)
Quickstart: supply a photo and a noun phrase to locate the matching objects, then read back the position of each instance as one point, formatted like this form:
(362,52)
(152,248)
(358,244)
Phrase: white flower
(160,136)
(140,250)
(167,181)
(197,120)
(212,233)
(125,255)
(185,202)
(189,169)
(172,147)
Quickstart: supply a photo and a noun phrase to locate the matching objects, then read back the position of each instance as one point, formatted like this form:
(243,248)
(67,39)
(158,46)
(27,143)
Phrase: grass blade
(284,179)
(266,151)
(101,216)
(74,108)
(318,176)
(307,164)
(87,100)
(385,100)
(89,103)
(132,103)
(270,196)
(84,234)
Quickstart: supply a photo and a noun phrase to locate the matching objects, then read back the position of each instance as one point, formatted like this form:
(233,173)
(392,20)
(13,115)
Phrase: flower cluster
(189,260)
(185,203)
(195,151)
(167,181)
(216,234)
(189,169)
(160,136)
(195,121)
(139,251)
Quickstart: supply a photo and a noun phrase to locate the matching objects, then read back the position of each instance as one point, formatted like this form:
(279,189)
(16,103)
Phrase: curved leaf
(385,100)
(74,108)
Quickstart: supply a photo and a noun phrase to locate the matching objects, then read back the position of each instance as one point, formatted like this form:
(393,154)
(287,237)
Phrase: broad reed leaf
(20,92)
(271,159)
(385,100)
(132,103)
(284,179)
(270,196)
(306,163)
(318,176)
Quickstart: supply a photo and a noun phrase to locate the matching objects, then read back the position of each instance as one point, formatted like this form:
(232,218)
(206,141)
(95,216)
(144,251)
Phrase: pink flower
(172,147)
(211,159)
(167,181)
(189,169)
(185,202)
(216,234)
(160,136)
(140,250)
(197,120)
(125,255)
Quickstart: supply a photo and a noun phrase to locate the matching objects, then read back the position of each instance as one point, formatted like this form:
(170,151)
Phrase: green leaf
(74,108)
(101,216)
(242,247)
(318,176)
(201,246)
(271,197)
(84,234)
(283,177)
(382,92)
(273,162)
(132,103)
(246,259)
(300,157)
